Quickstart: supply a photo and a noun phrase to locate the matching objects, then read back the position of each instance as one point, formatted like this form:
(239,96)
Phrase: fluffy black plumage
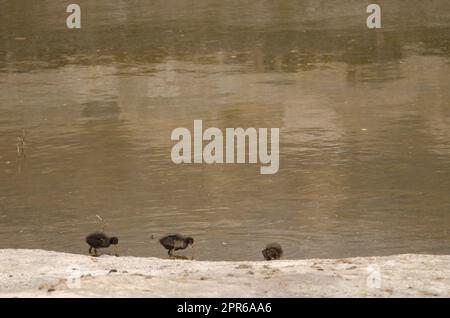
(176,242)
(272,251)
(100,240)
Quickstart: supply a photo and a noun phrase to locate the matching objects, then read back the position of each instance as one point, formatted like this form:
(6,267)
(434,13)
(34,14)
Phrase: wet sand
(39,273)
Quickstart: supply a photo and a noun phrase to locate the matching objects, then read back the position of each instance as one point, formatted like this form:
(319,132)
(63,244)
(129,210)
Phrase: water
(364,120)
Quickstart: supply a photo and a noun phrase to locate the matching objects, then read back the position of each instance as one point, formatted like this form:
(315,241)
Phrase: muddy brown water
(364,118)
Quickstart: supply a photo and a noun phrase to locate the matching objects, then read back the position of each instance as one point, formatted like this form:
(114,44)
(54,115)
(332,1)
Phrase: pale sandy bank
(29,273)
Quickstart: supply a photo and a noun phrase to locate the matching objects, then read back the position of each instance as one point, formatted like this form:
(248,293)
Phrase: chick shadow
(181,257)
(101,254)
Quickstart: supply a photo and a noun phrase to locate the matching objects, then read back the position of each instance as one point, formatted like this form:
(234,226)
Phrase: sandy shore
(38,273)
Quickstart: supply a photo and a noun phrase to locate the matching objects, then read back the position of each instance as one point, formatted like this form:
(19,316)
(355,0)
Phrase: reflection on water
(364,118)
